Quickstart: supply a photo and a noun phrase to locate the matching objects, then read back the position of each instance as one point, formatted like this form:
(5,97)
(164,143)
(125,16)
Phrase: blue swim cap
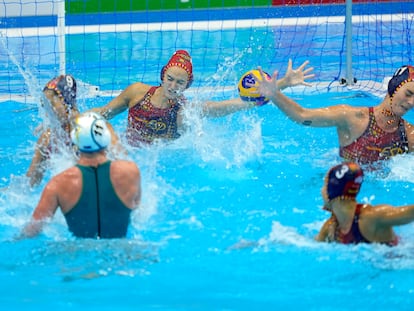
(64,86)
(344,180)
(401,76)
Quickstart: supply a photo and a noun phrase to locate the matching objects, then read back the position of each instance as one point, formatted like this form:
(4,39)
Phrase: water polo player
(366,134)
(96,196)
(352,222)
(156,112)
(60,101)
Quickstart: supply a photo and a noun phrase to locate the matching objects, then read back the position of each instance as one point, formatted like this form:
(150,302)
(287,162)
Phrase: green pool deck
(99,6)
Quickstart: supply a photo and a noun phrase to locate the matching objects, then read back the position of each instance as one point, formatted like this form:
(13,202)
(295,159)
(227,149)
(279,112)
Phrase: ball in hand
(247,90)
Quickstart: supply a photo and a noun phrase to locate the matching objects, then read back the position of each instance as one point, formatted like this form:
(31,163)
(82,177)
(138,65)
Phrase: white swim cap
(90,132)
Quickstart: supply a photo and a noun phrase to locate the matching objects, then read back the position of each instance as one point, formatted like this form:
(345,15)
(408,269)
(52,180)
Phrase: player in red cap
(155,112)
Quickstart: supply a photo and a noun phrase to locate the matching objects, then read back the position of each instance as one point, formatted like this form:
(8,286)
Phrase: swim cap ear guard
(401,76)
(344,181)
(181,59)
(65,87)
(90,132)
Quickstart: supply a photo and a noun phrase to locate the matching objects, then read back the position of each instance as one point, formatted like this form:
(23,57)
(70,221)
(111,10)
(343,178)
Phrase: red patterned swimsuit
(147,123)
(375,144)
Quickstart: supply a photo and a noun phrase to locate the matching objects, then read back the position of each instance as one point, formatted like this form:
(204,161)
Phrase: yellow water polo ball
(248,92)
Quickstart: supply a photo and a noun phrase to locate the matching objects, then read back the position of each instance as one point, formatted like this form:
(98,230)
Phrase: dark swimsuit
(99,213)
(376,144)
(146,122)
(354,235)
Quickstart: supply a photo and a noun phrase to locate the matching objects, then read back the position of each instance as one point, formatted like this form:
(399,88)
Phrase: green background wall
(93,6)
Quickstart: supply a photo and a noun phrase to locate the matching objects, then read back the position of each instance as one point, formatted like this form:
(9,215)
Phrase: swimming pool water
(227,221)
(229,210)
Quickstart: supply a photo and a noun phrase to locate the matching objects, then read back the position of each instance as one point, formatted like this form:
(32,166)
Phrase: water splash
(281,234)
(213,142)
(402,168)
(29,78)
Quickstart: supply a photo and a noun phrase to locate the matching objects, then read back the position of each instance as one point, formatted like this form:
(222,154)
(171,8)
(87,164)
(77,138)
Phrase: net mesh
(108,45)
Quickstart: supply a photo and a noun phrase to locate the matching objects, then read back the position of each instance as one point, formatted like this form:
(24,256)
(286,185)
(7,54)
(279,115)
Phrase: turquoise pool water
(227,221)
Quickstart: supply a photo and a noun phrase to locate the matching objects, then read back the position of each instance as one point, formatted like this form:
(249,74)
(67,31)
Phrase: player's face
(403,99)
(175,82)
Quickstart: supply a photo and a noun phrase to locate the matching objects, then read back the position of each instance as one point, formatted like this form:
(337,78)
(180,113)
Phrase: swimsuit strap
(147,97)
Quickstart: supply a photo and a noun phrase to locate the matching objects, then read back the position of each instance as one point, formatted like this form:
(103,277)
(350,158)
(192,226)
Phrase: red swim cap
(344,180)
(181,59)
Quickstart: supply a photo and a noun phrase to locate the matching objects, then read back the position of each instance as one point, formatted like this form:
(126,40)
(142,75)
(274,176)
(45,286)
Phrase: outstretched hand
(268,87)
(298,76)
